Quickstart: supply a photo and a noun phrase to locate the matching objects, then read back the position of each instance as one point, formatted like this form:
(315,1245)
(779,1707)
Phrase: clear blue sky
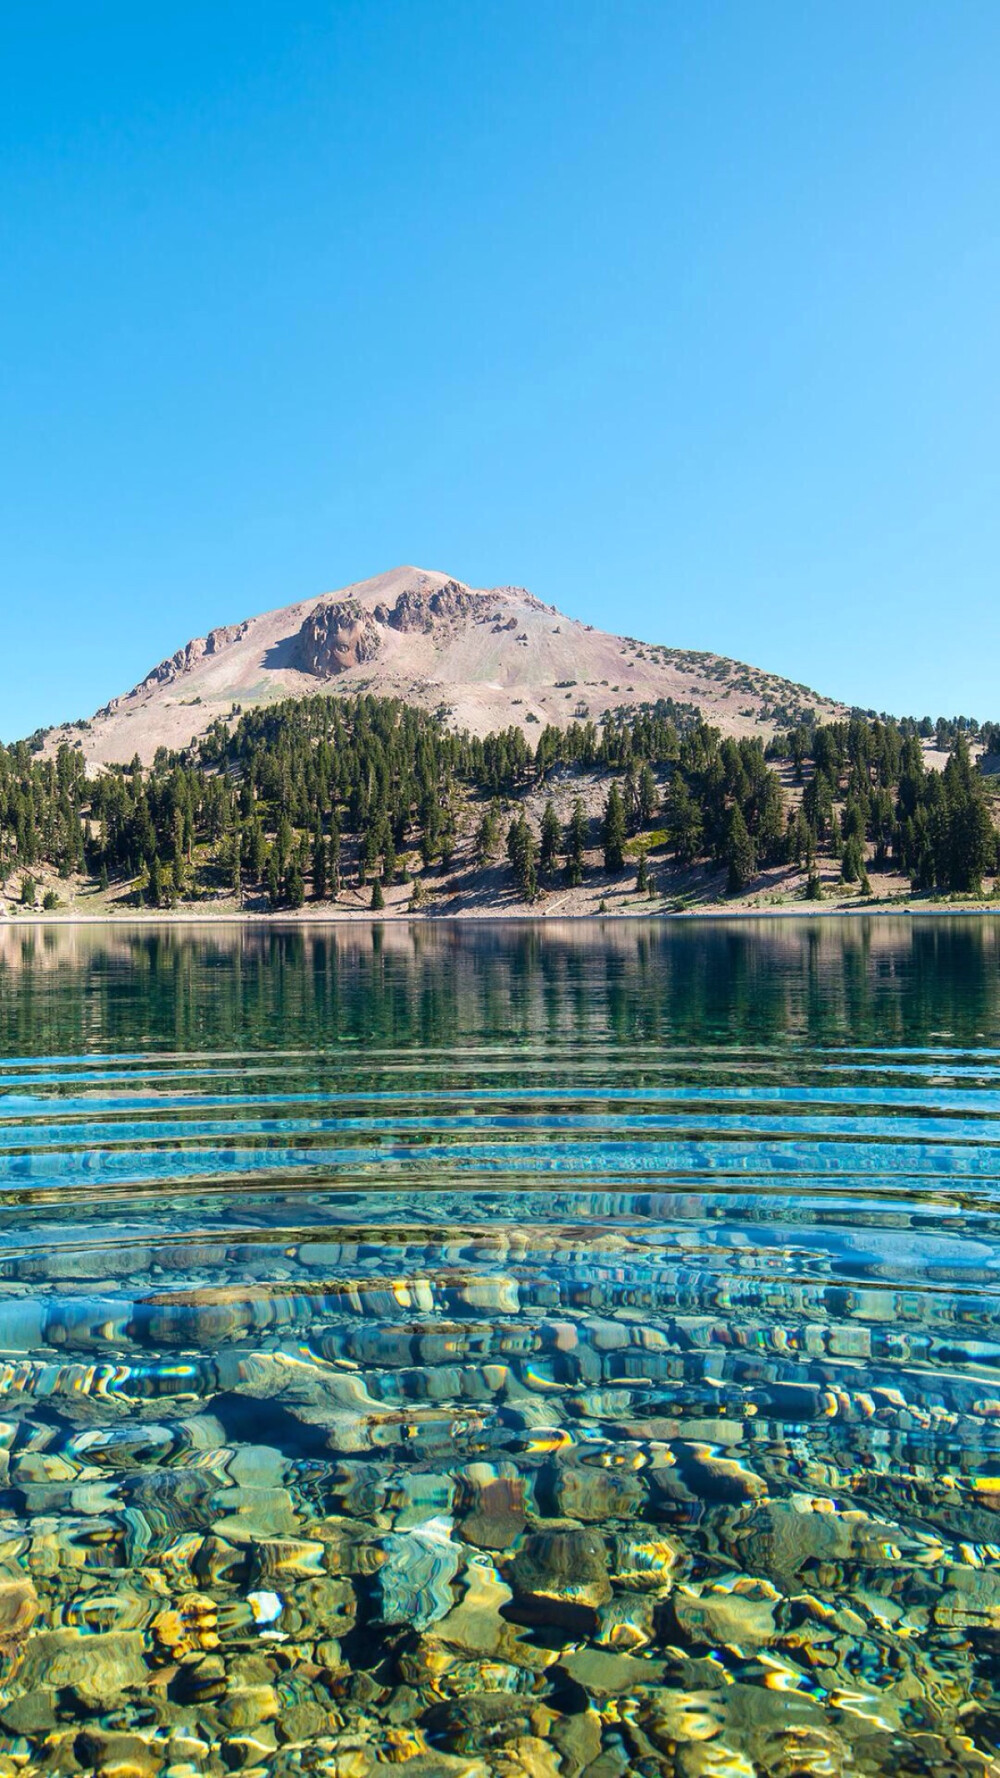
(683,315)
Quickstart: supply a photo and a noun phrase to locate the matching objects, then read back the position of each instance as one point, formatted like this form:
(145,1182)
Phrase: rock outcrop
(181,662)
(335,637)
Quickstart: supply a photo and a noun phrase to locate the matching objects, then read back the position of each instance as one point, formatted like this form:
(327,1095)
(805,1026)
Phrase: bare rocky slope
(484,658)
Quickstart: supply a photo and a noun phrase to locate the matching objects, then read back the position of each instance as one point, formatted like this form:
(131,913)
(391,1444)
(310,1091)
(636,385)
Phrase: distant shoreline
(363,917)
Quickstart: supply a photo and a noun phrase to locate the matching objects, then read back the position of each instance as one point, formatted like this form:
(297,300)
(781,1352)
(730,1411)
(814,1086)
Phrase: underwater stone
(742,1616)
(715,1478)
(497,1515)
(782,1541)
(684,1716)
(627,1622)
(414,1582)
(577,1740)
(97,1668)
(31,1713)
(18,1609)
(597,1495)
(560,1577)
(275,1560)
(476,1627)
(643,1563)
(604,1674)
(713,1759)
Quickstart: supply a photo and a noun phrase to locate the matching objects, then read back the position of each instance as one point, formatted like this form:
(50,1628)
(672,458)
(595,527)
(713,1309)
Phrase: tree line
(300,798)
(869,797)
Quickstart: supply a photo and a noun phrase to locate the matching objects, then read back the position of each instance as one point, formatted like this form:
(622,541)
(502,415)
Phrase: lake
(501,1348)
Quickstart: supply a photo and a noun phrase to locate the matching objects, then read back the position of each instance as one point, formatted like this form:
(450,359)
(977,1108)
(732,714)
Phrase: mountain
(485,658)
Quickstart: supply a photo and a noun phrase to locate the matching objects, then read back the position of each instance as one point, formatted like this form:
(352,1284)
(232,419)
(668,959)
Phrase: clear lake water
(524,1349)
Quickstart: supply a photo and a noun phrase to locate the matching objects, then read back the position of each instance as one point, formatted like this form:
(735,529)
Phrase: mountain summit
(485,658)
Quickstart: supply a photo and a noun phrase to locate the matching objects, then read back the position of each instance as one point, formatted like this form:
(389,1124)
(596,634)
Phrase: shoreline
(920,911)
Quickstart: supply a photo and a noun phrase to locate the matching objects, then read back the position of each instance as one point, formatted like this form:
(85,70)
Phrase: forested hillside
(357,802)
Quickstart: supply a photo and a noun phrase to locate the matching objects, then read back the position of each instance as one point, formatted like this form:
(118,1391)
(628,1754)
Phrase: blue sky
(684,316)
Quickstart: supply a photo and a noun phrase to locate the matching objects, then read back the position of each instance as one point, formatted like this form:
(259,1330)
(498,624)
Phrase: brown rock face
(181,662)
(335,637)
(415,610)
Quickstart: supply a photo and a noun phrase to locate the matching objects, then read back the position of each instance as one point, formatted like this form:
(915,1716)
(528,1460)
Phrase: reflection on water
(521,1350)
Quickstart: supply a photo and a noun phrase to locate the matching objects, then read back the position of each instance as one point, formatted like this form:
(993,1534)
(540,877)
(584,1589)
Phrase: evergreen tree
(155,892)
(319,868)
(487,835)
(550,837)
(684,822)
(235,868)
(613,831)
(295,889)
(739,857)
(378,898)
(647,795)
(283,842)
(272,878)
(576,841)
(522,851)
(256,852)
(852,862)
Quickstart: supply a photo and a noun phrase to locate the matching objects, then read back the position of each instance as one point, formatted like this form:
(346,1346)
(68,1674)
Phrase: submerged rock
(496,1515)
(785,1541)
(18,1609)
(560,1577)
(414,1581)
(96,1668)
(739,1614)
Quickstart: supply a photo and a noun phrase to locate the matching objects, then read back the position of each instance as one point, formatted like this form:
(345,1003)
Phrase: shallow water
(501,1349)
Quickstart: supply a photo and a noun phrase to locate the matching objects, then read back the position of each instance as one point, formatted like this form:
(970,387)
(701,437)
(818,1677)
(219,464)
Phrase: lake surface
(503,1349)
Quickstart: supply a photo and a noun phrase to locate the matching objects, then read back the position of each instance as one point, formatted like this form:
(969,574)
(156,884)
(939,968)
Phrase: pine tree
(739,854)
(272,878)
(487,834)
(647,794)
(256,852)
(576,842)
(283,843)
(378,898)
(852,862)
(550,837)
(613,831)
(522,851)
(319,868)
(155,891)
(684,822)
(235,868)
